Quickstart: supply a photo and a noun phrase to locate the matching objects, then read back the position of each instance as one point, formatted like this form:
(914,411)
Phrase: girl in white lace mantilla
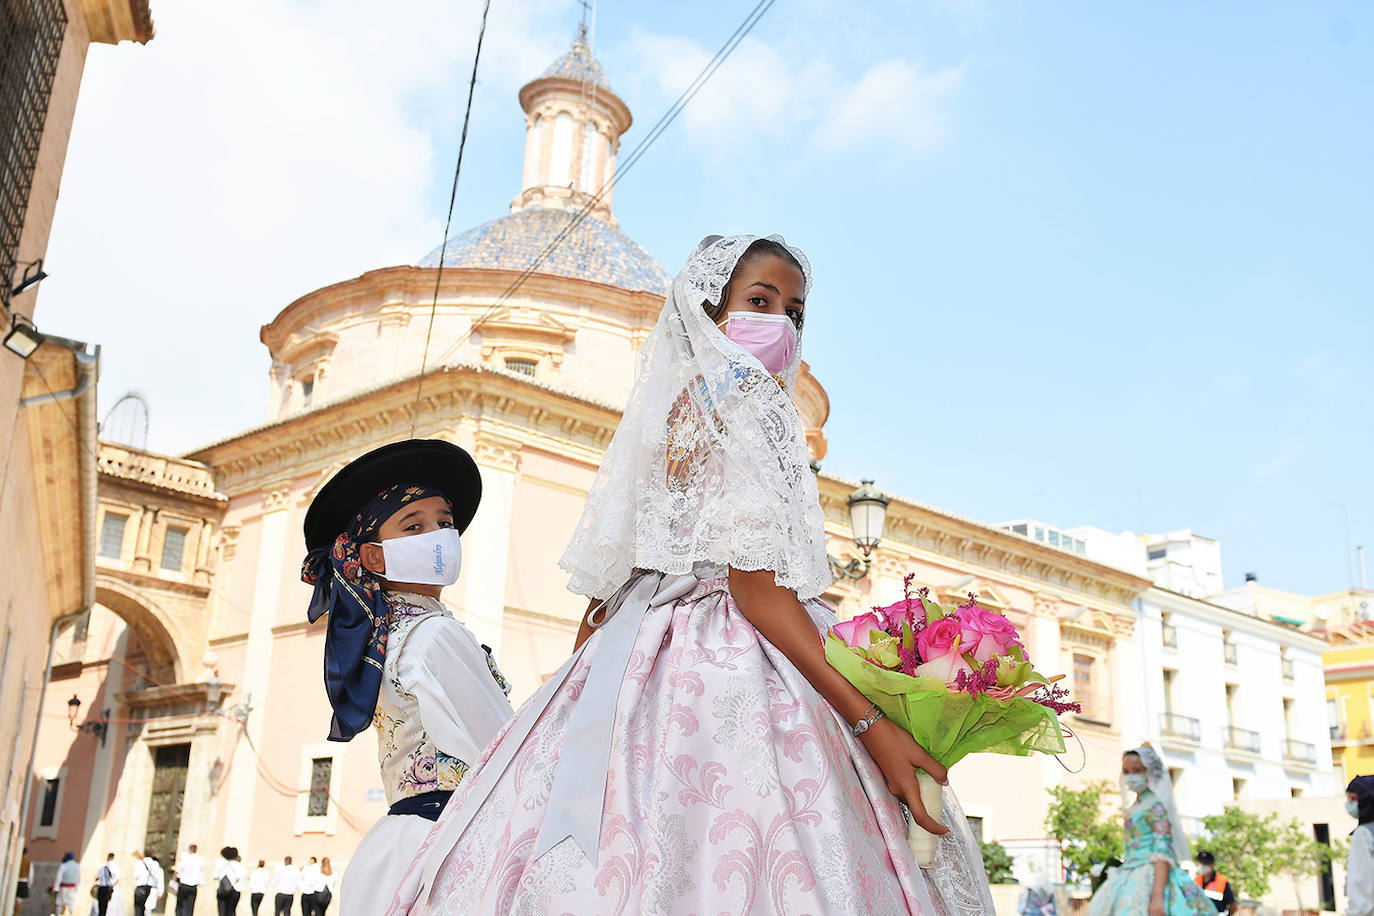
(697,754)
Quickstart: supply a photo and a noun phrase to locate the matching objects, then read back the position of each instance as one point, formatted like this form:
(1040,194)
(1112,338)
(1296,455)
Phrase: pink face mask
(772,339)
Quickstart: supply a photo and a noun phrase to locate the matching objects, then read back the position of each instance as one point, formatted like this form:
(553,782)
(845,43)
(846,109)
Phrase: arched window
(591,144)
(560,162)
(533,144)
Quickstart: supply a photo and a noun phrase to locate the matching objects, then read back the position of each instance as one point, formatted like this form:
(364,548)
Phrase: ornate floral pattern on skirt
(734,788)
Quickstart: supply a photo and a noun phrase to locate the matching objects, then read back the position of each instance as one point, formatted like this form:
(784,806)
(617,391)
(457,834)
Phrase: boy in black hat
(383,540)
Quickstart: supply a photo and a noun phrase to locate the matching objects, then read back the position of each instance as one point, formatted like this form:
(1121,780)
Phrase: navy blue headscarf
(1363,787)
(355,644)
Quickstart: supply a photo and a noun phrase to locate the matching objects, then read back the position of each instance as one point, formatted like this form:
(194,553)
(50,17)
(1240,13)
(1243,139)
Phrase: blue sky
(1097,264)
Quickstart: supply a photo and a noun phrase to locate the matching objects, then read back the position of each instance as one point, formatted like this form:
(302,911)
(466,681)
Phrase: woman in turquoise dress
(1149,880)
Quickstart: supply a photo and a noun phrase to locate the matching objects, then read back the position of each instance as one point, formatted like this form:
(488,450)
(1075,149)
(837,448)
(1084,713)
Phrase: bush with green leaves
(997,863)
(1087,824)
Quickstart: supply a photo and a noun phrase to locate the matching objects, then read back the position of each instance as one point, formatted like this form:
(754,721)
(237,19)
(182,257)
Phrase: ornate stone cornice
(395,294)
(516,408)
(276,495)
(914,526)
(158,472)
(495,450)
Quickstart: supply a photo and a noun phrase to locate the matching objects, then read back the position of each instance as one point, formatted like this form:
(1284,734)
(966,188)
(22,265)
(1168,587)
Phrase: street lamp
(97,728)
(867,515)
(23,338)
(33,275)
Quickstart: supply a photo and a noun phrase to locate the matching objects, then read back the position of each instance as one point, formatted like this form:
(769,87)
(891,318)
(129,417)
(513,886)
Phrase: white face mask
(1137,782)
(432,558)
(1352,808)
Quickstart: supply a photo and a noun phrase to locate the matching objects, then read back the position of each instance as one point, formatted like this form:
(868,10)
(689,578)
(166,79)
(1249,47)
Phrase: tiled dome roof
(577,63)
(595,250)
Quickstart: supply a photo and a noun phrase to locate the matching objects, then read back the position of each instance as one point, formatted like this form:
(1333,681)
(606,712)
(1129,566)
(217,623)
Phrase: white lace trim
(709,462)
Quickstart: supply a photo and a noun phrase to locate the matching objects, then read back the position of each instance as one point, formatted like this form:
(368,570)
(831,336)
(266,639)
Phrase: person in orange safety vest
(1214,884)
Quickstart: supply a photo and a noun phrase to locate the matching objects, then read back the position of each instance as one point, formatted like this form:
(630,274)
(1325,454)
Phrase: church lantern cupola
(573,125)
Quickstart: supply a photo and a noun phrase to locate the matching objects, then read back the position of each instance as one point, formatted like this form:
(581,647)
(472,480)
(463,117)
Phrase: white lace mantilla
(709,462)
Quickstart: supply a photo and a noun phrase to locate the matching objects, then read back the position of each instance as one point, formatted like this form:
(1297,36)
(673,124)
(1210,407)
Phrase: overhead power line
(448,220)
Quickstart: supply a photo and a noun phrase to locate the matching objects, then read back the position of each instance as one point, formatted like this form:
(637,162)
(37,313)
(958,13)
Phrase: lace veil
(1157,778)
(709,462)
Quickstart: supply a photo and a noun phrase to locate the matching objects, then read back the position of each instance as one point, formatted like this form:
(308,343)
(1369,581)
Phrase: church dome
(577,63)
(595,250)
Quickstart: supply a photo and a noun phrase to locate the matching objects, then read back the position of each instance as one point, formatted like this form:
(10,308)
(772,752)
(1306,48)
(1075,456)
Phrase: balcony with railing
(1341,736)
(1242,739)
(1172,725)
(1169,633)
(1228,648)
(1300,752)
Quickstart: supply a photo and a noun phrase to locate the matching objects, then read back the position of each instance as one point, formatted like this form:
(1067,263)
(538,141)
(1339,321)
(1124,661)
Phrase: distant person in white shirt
(64,885)
(327,884)
(285,884)
(106,879)
(189,872)
(257,886)
(147,881)
(230,879)
(311,882)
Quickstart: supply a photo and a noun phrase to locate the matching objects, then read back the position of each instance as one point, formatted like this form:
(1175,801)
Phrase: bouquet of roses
(959,681)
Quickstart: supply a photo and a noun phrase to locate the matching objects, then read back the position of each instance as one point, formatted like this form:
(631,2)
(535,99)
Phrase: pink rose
(859,632)
(985,633)
(940,644)
(897,614)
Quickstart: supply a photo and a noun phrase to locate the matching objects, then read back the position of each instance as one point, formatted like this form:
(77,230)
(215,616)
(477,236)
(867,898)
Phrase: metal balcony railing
(1299,751)
(1176,726)
(1229,648)
(1241,739)
(1170,635)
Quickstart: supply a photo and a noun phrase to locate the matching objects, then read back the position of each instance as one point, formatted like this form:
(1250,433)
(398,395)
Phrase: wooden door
(170,764)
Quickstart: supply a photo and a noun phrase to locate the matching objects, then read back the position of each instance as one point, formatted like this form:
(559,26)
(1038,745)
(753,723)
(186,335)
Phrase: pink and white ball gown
(678,763)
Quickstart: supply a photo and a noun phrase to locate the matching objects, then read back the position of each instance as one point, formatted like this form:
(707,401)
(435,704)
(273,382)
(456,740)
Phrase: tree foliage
(1087,824)
(1243,844)
(997,863)
(1251,849)
(1298,855)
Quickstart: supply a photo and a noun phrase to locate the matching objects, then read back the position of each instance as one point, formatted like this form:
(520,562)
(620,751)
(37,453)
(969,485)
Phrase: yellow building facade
(1349,667)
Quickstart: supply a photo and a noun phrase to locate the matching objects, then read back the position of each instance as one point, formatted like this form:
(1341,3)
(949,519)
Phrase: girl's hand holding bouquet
(958,682)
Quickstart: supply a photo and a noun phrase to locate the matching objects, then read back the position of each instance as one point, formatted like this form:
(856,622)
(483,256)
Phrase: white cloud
(794,96)
(250,153)
(755,86)
(894,103)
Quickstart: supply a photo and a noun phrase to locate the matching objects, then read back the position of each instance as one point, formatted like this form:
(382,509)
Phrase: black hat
(1205,858)
(425,462)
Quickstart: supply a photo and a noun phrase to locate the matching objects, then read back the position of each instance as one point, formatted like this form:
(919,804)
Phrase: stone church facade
(202,716)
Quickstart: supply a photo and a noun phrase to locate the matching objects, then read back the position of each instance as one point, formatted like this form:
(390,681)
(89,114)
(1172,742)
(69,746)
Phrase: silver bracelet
(872,715)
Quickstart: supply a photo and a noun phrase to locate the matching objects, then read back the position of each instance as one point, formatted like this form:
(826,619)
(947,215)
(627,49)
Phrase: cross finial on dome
(582,27)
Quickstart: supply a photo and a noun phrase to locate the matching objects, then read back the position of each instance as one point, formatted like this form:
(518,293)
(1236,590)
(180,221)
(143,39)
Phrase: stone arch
(147,622)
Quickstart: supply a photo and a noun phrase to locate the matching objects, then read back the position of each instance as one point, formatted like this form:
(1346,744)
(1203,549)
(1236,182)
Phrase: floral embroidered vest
(410,763)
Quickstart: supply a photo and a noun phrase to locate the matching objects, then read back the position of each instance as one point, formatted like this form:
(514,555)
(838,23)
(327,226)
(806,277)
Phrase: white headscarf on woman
(709,462)
(1158,781)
